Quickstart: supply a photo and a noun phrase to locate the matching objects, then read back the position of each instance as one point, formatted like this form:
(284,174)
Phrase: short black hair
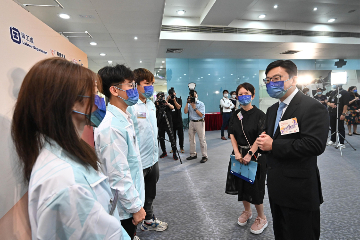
(225,91)
(288,65)
(112,75)
(305,90)
(231,93)
(247,86)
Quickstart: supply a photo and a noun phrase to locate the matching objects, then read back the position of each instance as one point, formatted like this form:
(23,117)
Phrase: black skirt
(252,193)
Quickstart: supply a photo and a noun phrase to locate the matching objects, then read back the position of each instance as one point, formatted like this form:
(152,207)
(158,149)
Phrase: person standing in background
(176,117)
(227,107)
(233,100)
(196,111)
(306,91)
(320,97)
(352,117)
(143,115)
(117,146)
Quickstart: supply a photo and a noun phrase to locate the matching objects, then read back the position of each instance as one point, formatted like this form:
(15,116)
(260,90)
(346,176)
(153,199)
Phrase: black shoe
(164,154)
(204,159)
(192,158)
(175,157)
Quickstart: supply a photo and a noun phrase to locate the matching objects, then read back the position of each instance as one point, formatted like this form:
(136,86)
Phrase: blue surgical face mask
(97,116)
(133,96)
(276,89)
(355,91)
(319,93)
(149,90)
(244,99)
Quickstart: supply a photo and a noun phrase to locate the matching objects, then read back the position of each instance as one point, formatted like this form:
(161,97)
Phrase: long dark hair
(350,89)
(44,110)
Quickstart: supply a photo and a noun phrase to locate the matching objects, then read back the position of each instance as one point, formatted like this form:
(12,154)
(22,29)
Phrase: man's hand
(168,98)
(342,117)
(264,142)
(193,105)
(332,105)
(139,216)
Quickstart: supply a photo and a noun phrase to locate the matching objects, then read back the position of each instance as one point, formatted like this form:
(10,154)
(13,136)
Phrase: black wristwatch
(250,152)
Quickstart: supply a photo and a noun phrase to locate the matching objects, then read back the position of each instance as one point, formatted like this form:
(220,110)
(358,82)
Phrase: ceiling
(113,24)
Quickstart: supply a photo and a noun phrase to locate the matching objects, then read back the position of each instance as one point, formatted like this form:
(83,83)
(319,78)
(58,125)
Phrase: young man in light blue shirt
(145,123)
(117,147)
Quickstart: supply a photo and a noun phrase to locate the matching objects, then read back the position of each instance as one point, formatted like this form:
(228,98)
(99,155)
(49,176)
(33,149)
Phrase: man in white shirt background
(227,106)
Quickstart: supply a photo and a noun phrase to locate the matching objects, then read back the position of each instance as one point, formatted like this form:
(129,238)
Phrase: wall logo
(15,35)
(24,39)
(57,54)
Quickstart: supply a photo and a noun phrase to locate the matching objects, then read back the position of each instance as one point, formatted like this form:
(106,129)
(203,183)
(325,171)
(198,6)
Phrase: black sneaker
(175,157)
(164,154)
(204,159)
(192,158)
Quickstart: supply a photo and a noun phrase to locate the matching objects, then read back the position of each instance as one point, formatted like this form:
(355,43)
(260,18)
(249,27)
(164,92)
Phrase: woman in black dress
(252,124)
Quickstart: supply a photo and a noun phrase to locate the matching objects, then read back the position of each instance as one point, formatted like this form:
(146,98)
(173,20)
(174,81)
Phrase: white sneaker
(153,225)
(329,143)
(136,237)
(341,146)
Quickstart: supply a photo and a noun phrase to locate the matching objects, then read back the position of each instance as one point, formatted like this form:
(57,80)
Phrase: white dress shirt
(288,100)
(226,104)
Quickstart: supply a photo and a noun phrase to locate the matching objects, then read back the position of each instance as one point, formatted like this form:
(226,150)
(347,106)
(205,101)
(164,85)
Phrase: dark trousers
(180,132)
(151,177)
(294,224)
(226,119)
(341,129)
(162,139)
(129,227)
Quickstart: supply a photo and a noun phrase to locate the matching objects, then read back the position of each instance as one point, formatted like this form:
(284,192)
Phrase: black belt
(200,120)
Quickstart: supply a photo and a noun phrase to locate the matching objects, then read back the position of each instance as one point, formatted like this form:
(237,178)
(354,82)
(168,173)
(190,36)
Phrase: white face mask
(226,95)
(233,96)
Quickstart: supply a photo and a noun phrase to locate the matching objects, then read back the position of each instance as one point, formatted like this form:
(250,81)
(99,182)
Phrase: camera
(171,93)
(160,98)
(191,97)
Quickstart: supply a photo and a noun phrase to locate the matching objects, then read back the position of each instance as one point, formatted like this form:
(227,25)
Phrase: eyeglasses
(132,84)
(275,78)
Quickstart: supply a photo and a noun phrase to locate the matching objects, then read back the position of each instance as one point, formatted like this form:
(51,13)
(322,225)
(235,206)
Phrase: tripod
(338,134)
(162,112)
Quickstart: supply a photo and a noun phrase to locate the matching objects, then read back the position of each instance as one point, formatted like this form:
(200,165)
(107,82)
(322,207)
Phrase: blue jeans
(226,119)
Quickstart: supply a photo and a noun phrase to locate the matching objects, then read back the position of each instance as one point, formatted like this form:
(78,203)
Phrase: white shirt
(226,104)
(288,100)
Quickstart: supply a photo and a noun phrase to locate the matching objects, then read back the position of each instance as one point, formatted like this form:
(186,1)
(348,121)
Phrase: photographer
(196,110)
(176,117)
(164,122)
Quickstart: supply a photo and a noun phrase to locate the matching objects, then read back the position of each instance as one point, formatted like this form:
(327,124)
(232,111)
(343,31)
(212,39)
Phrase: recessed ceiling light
(64,16)
(110,62)
(162,61)
(275,6)
(161,66)
(93,43)
(232,74)
(140,61)
(262,16)
(136,38)
(184,74)
(332,20)
(102,54)
(315,9)
(209,74)
(180,12)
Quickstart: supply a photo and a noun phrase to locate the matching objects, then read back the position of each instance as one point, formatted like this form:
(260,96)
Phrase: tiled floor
(191,199)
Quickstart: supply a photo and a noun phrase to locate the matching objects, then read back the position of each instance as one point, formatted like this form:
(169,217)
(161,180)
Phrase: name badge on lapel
(289,126)
(141,115)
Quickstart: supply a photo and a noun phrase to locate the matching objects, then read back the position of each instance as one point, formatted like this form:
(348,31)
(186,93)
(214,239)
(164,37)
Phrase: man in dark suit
(293,179)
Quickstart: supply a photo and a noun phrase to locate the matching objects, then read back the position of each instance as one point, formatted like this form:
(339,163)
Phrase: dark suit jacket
(293,176)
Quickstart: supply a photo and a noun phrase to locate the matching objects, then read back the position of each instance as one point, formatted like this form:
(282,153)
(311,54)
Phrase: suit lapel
(289,111)
(272,118)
